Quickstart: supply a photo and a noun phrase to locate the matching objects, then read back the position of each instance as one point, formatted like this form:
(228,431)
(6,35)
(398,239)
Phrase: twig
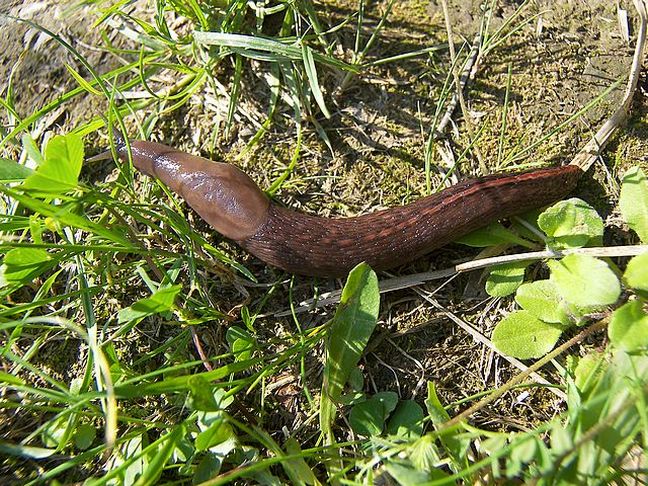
(458,85)
(467,75)
(400,283)
(516,380)
(479,337)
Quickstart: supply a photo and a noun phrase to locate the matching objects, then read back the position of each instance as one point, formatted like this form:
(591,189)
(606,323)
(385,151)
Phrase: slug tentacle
(300,243)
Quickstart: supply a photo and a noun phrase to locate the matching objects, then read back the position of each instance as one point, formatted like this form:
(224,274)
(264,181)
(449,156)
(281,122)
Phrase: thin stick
(459,87)
(480,338)
(467,75)
(407,281)
(517,379)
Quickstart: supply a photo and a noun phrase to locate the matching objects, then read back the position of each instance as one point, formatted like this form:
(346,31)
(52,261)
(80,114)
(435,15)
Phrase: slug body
(303,244)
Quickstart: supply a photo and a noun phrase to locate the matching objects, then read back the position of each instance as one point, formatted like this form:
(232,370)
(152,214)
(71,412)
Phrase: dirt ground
(566,56)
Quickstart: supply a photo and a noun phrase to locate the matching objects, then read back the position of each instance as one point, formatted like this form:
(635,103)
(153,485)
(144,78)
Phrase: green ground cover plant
(137,347)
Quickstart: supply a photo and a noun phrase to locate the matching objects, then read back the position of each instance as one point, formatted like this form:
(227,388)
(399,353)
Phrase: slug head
(220,193)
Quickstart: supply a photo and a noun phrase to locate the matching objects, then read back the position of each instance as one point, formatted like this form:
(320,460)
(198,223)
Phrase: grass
(137,347)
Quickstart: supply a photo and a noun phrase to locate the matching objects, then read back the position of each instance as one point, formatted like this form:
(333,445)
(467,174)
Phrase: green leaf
(407,420)
(493,234)
(84,436)
(435,409)
(159,458)
(352,326)
(7,448)
(504,279)
(356,379)
(588,370)
(63,215)
(208,467)
(10,379)
(217,433)
(13,171)
(368,418)
(406,475)
(160,301)
(61,167)
(201,395)
(633,201)
(23,265)
(241,342)
(522,335)
(423,453)
(541,299)
(311,73)
(571,224)
(585,281)
(636,274)
(55,431)
(628,329)
(265,49)
(299,465)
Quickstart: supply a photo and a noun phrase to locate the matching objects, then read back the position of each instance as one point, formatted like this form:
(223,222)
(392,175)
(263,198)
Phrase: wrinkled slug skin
(303,244)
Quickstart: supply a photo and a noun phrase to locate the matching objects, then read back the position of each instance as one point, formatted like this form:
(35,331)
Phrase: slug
(238,209)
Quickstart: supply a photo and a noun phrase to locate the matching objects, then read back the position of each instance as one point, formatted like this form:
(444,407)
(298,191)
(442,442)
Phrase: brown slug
(299,243)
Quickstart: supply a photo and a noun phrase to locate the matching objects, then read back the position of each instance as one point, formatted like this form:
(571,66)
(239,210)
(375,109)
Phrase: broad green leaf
(407,420)
(522,454)
(435,409)
(628,329)
(61,167)
(493,234)
(636,274)
(587,370)
(368,418)
(356,379)
(84,436)
(522,335)
(571,224)
(452,441)
(585,281)
(504,279)
(633,201)
(406,475)
(423,453)
(561,440)
(31,149)
(160,301)
(23,265)
(352,326)
(299,465)
(217,433)
(129,448)
(541,299)
(55,431)
(241,342)
(389,400)
(13,171)
(208,467)
(201,395)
